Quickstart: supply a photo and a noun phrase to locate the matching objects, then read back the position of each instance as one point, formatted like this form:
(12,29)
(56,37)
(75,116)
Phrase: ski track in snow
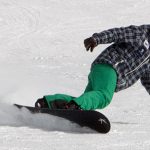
(42,52)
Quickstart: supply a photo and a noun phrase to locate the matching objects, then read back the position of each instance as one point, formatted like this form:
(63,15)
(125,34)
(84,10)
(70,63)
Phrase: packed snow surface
(42,52)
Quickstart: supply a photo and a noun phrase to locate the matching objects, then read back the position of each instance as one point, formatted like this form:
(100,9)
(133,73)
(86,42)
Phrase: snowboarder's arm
(132,34)
(145,80)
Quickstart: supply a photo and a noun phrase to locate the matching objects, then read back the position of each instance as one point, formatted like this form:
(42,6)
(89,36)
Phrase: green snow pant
(99,91)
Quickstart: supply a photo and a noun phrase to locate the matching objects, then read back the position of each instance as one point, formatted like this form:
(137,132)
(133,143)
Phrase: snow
(42,52)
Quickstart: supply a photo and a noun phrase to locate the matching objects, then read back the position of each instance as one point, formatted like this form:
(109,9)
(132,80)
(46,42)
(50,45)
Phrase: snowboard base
(85,118)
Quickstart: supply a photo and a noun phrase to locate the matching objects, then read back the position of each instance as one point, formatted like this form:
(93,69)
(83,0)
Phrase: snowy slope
(42,52)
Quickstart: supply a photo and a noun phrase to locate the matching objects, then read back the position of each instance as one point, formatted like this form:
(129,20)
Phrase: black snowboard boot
(41,103)
(62,104)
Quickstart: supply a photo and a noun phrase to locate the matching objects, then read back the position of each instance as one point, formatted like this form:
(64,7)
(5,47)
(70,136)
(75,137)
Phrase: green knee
(94,100)
(104,99)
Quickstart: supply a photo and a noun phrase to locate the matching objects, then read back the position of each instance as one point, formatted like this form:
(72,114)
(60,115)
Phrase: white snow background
(42,52)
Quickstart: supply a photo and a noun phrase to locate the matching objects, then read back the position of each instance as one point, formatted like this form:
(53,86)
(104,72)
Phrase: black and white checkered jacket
(129,54)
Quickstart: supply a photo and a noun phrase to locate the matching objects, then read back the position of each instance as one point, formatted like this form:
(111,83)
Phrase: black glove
(90,43)
(41,103)
(62,104)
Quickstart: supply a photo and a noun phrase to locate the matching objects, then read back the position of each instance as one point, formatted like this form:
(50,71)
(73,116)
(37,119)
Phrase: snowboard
(84,118)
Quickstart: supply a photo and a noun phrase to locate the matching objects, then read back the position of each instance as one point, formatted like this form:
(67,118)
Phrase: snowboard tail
(85,118)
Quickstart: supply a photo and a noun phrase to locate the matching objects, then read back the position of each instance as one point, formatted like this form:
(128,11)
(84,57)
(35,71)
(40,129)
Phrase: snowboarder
(118,67)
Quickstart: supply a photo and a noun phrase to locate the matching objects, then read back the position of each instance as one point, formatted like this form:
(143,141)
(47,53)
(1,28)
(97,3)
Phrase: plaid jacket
(129,54)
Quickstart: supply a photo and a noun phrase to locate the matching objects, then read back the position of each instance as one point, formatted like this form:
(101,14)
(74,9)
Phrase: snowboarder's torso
(129,57)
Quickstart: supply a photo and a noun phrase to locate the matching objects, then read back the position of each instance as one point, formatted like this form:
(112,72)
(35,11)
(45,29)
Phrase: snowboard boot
(62,104)
(41,103)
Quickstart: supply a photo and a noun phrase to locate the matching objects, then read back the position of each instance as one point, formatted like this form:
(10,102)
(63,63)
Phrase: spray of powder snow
(12,116)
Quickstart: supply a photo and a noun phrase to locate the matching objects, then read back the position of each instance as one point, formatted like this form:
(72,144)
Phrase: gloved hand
(41,103)
(90,43)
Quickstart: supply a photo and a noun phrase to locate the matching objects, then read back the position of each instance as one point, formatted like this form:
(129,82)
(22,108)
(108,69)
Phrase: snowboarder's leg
(89,86)
(100,89)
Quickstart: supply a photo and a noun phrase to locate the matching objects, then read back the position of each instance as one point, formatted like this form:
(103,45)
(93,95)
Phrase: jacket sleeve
(131,34)
(145,80)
